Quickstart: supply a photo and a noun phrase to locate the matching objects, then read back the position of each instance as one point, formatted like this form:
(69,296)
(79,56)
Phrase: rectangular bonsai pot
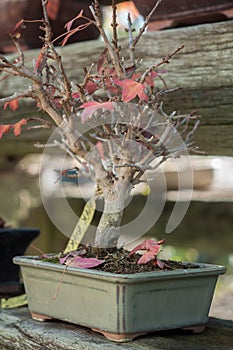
(120,306)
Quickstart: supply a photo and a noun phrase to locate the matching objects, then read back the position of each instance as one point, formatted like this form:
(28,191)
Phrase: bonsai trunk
(108,230)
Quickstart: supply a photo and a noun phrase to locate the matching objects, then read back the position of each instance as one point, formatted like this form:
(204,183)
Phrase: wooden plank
(203,70)
(17,330)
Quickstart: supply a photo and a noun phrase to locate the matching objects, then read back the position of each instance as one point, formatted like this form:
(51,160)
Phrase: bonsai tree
(116,103)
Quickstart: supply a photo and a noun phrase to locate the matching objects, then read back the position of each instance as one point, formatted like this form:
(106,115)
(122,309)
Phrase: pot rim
(202,270)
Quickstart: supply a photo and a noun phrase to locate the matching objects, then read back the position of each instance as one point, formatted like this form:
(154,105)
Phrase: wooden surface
(18,331)
(203,70)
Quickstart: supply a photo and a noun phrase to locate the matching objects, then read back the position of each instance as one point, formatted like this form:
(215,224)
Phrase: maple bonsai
(128,131)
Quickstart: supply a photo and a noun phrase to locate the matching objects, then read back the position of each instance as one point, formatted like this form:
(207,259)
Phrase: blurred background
(205,233)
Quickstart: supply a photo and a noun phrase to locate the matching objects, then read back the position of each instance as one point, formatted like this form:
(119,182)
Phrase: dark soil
(118,261)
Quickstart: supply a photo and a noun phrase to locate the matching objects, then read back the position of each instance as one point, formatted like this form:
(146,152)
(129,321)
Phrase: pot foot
(195,329)
(118,337)
(39,317)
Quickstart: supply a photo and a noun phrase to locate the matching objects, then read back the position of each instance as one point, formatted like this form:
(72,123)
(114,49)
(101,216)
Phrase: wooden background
(203,70)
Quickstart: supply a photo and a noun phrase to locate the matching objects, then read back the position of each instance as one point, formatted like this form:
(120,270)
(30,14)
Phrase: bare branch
(44,123)
(114,30)
(56,56)
(113,53)
(20,94)
(130,34)
(166,59)
(142,30)
(14,69)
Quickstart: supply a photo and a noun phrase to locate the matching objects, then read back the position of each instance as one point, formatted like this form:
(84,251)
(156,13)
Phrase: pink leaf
(71,255)
(131,89)
(150,78)
(17,126)
(83,263)
(69,24)
(4,129)
(160,264)
(91,107)
(13,104)
(76,95)
(145,245)
(146,257)
(91,87)
(73,31)
(152,248)
(109,83)
(62,260)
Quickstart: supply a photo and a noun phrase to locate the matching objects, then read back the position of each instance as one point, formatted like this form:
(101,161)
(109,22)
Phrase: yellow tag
(146,190)
(82,226)
(10,303)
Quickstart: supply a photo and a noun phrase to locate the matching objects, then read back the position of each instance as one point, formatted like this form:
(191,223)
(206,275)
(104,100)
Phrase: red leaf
(150,78)
(152,248)
(76,95)
(136,76)
(109,83)
(148,256)
(131,89)
(83,263)
(13,104)
(70,31)
(148,244)
(161,264)
(17,126)
(69,24)
(63,259)
(91,107)
(73,31)
(91,87)
(4,129)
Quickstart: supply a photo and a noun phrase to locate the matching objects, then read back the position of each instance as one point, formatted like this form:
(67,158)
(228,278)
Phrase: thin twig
(166,59)
(20,94)
(114,30)
(57,57)
(130,33)
(112,53)
(142,30)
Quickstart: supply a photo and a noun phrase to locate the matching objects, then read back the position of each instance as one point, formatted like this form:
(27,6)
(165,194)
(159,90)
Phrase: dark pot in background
(13,242)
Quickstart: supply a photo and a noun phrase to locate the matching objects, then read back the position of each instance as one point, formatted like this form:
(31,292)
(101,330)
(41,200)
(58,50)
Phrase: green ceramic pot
(120,306)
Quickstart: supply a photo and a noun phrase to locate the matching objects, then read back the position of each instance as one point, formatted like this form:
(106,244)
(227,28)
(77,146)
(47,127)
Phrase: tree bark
(108,230)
